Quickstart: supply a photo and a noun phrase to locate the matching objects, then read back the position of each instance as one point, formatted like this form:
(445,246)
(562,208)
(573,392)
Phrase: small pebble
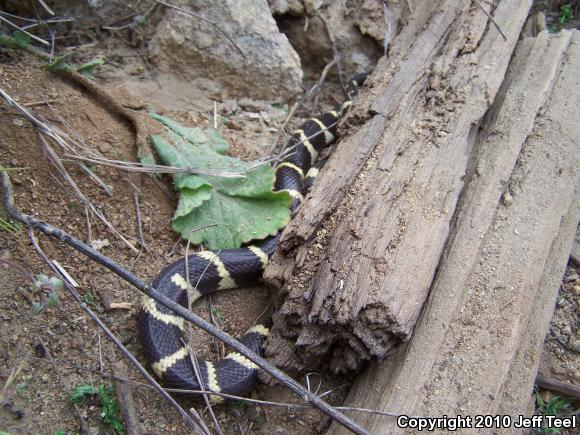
(507,199)
(576,345)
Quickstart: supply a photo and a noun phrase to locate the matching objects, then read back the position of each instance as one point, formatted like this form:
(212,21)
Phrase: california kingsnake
(162,330)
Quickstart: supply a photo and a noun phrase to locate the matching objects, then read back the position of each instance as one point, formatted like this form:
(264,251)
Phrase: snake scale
(162,330)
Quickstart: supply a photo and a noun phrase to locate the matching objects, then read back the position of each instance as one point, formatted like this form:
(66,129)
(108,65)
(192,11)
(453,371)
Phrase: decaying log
(369,239)
(476,347)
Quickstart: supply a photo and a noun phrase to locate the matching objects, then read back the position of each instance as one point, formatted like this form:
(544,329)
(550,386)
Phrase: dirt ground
(37,398)
(35,386)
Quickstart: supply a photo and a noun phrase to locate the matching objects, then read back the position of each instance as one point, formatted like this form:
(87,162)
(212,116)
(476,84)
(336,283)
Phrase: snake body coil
(162,330)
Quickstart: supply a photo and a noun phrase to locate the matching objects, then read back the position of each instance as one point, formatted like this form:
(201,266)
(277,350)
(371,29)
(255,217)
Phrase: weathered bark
(475,349)
(369,239)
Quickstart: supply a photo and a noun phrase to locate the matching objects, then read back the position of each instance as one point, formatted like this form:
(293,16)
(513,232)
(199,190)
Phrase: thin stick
(12,377)
(563,388)
(192,355)
(45,6)
(71,290)
(199,419)
(492,20)
(230,396)
(42,102)
(287,151)
(100,350)
(126,403)
(89,227)
(173,306)
(36,38)
(58,164)
(321,80)
(139,223)
(335,53)
(283,126)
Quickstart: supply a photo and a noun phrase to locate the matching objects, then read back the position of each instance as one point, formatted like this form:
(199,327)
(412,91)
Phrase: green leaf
(55,282)
(89,68)
(222,211)
(111,413)
(52,300)
(22,39)
(59,63)
(81,393)
(36,308)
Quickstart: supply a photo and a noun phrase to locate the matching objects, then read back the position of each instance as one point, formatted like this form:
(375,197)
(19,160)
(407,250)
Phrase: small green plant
(282,106)
(557,406)
(230,201)
(81,393)
(565,14)
(47,290)
(6,224)
(90,299)
(218,314)
(11,227)
(110,413)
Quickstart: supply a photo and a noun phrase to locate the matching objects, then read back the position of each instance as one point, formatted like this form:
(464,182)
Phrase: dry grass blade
(161,169)
(64,173)
(72,291)
(64,141)
(36,38)
(93,254)
(12,377)
(232,397)
(46,7)
(492,20)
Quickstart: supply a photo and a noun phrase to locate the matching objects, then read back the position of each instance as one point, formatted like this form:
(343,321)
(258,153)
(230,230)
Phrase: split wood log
(370,236)
(476,347)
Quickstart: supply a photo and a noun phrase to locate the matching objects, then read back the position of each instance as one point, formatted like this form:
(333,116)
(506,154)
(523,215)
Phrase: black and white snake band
(162,331)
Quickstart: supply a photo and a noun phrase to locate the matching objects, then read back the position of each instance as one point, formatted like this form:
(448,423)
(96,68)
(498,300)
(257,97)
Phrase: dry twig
(72,291)
(125,398)
(492,20)
(51,231)
(563,388)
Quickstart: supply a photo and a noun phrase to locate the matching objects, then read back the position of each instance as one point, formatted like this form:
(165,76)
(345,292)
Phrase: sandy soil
(36,398)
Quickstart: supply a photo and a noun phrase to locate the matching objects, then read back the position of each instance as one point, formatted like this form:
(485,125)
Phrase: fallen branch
(71,290)
(563,388)
(148,290)
(258,402)
(125,399)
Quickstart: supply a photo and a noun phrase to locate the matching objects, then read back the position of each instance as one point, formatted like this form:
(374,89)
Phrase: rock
(507,199)
(576,345)
(281,7)
(348,24)
(188,46)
